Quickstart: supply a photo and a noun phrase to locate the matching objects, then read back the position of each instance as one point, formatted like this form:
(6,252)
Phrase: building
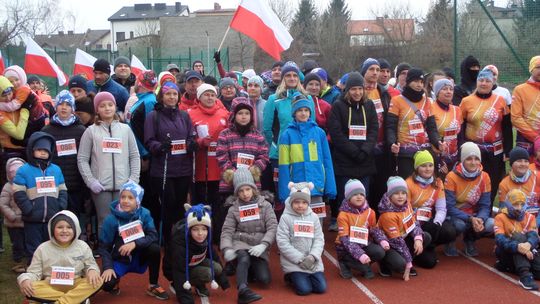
(63,41)
(381,31)
(142,20)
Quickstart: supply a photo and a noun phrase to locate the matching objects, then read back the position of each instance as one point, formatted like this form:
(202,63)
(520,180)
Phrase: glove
(29,103)
(229,255)
(385,245)
(217,57)
(308,263)
(364,259)
(258,250)
(96,187)
(165,145)
(228,176)
(256,173)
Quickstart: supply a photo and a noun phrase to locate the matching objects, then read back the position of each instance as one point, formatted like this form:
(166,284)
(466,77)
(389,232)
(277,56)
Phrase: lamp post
(207,49)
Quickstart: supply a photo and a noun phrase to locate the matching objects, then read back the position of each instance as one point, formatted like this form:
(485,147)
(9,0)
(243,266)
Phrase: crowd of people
(182,171)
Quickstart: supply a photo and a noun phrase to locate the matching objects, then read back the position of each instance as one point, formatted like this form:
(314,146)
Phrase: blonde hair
(282,89)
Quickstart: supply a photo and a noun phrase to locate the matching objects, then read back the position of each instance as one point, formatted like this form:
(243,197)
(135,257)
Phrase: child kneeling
(301,242)
(129,242)
(63,269)
(247,234)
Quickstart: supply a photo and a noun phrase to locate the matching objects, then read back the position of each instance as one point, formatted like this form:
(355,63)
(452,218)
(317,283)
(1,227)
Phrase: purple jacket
(177,125)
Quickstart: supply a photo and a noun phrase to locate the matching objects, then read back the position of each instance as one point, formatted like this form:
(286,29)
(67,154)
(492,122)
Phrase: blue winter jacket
(331,95)
(139,111)
(120,93)
(304,156)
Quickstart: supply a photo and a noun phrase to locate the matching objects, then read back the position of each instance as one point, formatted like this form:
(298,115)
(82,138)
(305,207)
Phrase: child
(426,196)
(301,242)
(129,242)
(404,233)
(108,155)
(59,266)
(39,190)
(359,241)
(517,240)
(304,155)
(190,259)
(12,215)
(250,215)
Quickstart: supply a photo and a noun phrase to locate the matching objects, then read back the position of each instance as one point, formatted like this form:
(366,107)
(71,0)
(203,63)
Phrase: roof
(148,11)
(70,40)
(396,29)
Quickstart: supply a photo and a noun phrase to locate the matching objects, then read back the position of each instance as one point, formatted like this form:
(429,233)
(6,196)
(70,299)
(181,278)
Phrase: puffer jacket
(120,93)
(8,206)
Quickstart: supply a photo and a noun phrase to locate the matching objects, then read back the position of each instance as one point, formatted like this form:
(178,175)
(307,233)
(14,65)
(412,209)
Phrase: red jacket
(322,112)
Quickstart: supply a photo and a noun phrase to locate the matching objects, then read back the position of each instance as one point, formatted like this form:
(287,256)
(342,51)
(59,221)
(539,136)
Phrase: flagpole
(224,36)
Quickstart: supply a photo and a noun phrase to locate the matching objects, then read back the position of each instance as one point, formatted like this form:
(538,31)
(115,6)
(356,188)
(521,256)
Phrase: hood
(289,209)
(468,77)
(4,84)
(122,214)
(385,205)
(10,162)
(303,127)
(75,220)
(32,141)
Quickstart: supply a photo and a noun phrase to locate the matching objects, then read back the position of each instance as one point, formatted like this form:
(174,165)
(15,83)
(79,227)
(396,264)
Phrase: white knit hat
(469,149)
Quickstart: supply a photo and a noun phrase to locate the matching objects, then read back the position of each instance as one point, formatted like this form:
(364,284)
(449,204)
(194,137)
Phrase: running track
(454,280)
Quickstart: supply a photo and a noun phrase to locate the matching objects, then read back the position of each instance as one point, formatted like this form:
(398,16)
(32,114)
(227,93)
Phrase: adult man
(401,75)
(122,73)
(189,98)
(470,67)
(103,82)
(198,66)
(173,69)
(276,80)
(83,104)
(385,75)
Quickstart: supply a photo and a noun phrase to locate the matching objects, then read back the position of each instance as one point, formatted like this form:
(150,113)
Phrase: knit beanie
(122,60)
(309,65)
(195,62)
(353,187)
(384,64)
(257,80)
(65,97)
(205,87)
(78,81)
(103,96)
(300,101)
(242,177)
(535,62)
(12,165)
(85,105)
(492,68)
(33,78)
(147,80)
(289,66)
(367,63)
(485,74)
(135,189)
(344,78)
(355,79)
(166,76)
(469,149)
(198,215)
(321,73)
(441,84)
(395,184)
(518,153)
(226,82)
(311,76)
(102,65)
(277,64)
(402,67)
(421,158)
(60,216)
(248,73)
(210,80)
(167,86)
(300,191)
(516,196)
(414,74)
(17,72)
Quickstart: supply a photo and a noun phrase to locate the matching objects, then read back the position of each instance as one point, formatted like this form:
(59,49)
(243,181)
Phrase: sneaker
(413,272)
(247,295)
(96,254)
(171,288)
(333,227)
(470,249)
(368,274)
(345,271)
(450,250)
(202,291)
(528,282)
(384,271)
(501,267)
(230,269)
(158,292)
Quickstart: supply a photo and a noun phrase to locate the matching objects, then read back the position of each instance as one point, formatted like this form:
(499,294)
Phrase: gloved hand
(217,56)
(364,259)
(256,173)
(228,176)
(96,187)
(28,104)
(308,263)
(229,255)
(257,250)
(165,145)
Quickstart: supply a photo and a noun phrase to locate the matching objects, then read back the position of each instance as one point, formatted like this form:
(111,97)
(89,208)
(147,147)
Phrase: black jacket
(130,81)
(353,158)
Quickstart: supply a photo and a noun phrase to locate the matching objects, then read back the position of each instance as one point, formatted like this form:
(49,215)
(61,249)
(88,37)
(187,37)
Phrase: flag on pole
(137,66)
(255,19)
(84,64)
(37,61)
(2,66)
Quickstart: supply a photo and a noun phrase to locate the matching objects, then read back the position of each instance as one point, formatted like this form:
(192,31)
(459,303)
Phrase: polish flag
(84,64)
(137,67)
(37,61)
(2,66)
(255,19)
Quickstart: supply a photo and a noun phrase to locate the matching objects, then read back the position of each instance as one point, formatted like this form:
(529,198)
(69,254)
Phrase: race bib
(416,127)
(112,145)
(378,106)
(423,214)
(178,147)
(357,132)
(497,147)
(319,209)
(450,133)
(275,176)
(533,211)
(244,160)
(45,184)
(66,147)
(359,235)
(62,275)
(408,223)
(131,231)
(304,229)
(212,149)
(249,213)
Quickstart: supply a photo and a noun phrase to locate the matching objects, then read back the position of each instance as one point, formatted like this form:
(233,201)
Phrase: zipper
(113,166)
(44,202)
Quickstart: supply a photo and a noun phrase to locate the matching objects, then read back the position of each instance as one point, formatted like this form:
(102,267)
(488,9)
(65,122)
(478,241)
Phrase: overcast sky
(94,13)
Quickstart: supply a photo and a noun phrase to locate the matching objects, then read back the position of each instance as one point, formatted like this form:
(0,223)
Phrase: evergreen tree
(304,22)
(334,40)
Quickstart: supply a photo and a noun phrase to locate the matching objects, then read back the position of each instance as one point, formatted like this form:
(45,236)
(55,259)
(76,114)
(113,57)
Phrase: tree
(283,10)
(436,37)
(526,27)
(304,22)
(334,41)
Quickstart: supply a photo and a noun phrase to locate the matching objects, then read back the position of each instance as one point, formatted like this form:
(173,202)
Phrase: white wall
(138,27)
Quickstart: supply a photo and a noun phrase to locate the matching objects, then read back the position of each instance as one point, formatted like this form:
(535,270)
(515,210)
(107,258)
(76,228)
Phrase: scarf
(512,212)
(412,95)
(424,181)
(520,180)
(534,83)
(71,120)
(443,106)
(484,96)
(242,130)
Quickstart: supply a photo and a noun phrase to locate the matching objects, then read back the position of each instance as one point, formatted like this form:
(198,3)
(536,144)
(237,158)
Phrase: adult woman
(228,92)
(312,83)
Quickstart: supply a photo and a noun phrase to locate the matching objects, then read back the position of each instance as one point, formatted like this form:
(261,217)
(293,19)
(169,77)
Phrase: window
(120,36)
(131,35)
(99,46)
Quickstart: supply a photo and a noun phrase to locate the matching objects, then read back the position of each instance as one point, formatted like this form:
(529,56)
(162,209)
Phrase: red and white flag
(84,64)
(2,66)
(255,19)
(137,67)
(37,61)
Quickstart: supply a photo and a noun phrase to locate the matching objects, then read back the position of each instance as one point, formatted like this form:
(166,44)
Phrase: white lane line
(361,286)
(495,271)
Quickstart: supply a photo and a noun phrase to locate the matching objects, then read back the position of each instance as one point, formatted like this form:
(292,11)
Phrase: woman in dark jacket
(168,135)
(353,128)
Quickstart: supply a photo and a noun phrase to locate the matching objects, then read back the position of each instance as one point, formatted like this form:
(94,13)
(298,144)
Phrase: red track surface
(454,280)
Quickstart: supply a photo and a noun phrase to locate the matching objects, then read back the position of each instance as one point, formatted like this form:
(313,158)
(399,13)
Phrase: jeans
(467,229)
(247,264)
(16,236)
(305,283)
(517,262)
